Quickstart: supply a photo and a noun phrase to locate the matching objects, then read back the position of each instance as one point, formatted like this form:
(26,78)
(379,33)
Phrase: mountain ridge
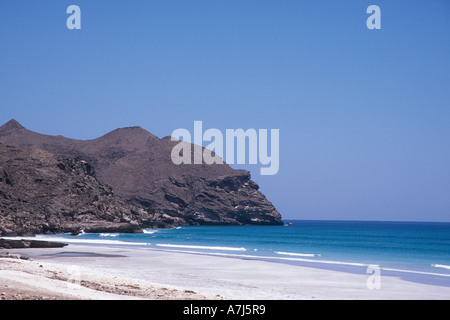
(137,166)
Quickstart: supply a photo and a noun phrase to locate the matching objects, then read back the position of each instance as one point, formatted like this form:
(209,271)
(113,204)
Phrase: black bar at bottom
(217,309)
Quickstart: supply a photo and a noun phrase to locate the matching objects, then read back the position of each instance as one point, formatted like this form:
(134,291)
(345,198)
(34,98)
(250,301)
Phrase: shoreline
(432,277)
(108,272)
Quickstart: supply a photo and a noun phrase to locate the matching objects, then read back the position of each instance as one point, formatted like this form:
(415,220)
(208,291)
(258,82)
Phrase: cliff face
(45,193)
(136,168)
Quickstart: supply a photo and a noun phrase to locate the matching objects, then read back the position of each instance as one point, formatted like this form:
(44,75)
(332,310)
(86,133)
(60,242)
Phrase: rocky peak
(130,131)
(11,125)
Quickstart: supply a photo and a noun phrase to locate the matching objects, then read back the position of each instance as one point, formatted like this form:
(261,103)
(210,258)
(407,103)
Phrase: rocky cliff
(124,177)
(45,193)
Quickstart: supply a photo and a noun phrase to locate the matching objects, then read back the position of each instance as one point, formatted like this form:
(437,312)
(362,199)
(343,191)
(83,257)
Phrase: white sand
(119,273)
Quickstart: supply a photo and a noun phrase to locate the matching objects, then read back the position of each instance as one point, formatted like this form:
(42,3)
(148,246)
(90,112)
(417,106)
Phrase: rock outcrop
(125,176)
(45,193)
(23,244)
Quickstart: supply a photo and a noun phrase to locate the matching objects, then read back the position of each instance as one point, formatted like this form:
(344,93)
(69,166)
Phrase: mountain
(137,166)
(45,193)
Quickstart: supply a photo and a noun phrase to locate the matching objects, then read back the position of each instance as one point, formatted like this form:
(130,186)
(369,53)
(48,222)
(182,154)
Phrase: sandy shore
(98,272)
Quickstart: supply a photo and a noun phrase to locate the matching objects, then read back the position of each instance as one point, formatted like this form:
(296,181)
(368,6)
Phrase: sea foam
(441,266)
(297,254)
(201,247)
(75,240)
(149,231)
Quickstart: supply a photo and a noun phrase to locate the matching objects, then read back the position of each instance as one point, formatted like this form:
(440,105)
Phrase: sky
(363,115)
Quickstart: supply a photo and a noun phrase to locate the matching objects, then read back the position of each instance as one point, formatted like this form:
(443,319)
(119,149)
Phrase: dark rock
(22,244)
(113,228)
(62,200)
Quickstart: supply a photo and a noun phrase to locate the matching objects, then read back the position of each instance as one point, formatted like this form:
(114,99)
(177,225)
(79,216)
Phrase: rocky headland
(121,182)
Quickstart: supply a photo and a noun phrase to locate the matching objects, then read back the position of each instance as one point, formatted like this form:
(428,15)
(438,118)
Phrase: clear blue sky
(364,116)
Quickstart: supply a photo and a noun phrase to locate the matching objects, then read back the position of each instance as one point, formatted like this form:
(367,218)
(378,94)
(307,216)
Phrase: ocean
(415,251)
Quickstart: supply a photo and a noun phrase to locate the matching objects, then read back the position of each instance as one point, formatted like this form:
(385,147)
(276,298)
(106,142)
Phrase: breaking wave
(297,254)
(441,266)
(200,247)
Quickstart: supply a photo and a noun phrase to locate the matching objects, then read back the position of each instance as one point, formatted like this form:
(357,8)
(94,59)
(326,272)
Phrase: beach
(89,272)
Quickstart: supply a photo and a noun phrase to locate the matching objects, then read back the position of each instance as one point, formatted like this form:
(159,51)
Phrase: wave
(75,240)
(297,254)
(417,272)
(255,257)
(149,231)
(325,261)
(329,262)
(108,235)
(200,247)
(441,266)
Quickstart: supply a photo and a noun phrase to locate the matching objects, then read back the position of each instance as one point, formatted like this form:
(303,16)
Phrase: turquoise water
(414,250)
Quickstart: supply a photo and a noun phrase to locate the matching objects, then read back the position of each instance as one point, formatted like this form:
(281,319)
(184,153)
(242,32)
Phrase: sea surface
(415,251)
